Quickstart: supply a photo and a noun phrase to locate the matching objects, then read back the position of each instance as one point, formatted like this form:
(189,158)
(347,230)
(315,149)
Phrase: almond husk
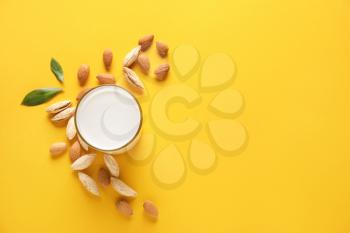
(83,162)
(74,152)
(57,149)
(88,183)
(162,49)
(64,115)
(104,177)
(107,58)
(82,92)
(124,208)
(133,79)
(59,106)
(122,188)
(83,74)
(150,209)
(144,63)
(71,130)
(105,78)
(146,41)
(162,71)
(111,164)
(131,57)
(83,144)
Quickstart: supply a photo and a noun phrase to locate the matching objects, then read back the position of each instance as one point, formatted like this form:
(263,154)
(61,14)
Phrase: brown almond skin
(74,152)
(83,74)
(107,58)
(104,177)
(162,71)
(144,63)
(82,92)
(162,49)
(124,208)
(146,42)
(105,78)
(58,149)
(150,209)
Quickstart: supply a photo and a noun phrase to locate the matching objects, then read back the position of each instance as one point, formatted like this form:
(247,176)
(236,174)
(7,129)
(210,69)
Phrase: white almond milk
(108,118)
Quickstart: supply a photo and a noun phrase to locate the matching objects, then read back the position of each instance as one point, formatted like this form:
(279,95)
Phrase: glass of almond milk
(109,118)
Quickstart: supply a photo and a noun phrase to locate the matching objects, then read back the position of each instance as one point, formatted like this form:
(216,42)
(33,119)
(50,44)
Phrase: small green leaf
(39,96)
(57,70)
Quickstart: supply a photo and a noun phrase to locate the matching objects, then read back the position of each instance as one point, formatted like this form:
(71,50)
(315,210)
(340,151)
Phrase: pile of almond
(79,153)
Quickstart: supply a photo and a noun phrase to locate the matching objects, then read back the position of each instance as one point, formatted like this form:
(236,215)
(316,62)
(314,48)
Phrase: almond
(82,92)
(111,164)
(144,63)
(146,41)
(122,188)
(57,149)
(74,152)
(88,183)
(103,177)
(64,115)
(105,78)
(131,57)
(107,58)
(59,106)
(83,144)
(162,49)
(71,130)
(132,78)
(83,162)
(124,208)
(162,71)
(83,74)
(150,209)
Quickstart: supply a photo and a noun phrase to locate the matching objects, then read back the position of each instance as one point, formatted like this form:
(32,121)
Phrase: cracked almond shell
(132,78)
(122,188)
(83,162)
(59,106)
(131,57)
(111,164)
(88,183)
(63,115)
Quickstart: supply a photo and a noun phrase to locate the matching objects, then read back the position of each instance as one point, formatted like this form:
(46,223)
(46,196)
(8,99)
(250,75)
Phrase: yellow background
(293,69)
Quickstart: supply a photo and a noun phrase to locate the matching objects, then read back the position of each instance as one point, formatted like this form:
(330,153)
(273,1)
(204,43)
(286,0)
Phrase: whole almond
(146,41)
(71,130)
(122,188)
(144,63)
(83,162)
(162,71)
(59,106)
(74,152)
(124,208)
(111,164)
(82,92)
(131,57)
(83,144)
(107,58)
(103,177)
(88,183)
(105,78)
(57,149)
(64,115)
(133,79)
(83,74)
(150,209)
(162,49)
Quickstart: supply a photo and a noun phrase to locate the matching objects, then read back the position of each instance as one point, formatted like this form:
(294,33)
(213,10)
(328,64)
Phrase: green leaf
(57,70)
(39,96)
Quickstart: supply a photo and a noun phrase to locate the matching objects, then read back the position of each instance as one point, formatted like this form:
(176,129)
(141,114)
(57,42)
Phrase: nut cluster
(81,156)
